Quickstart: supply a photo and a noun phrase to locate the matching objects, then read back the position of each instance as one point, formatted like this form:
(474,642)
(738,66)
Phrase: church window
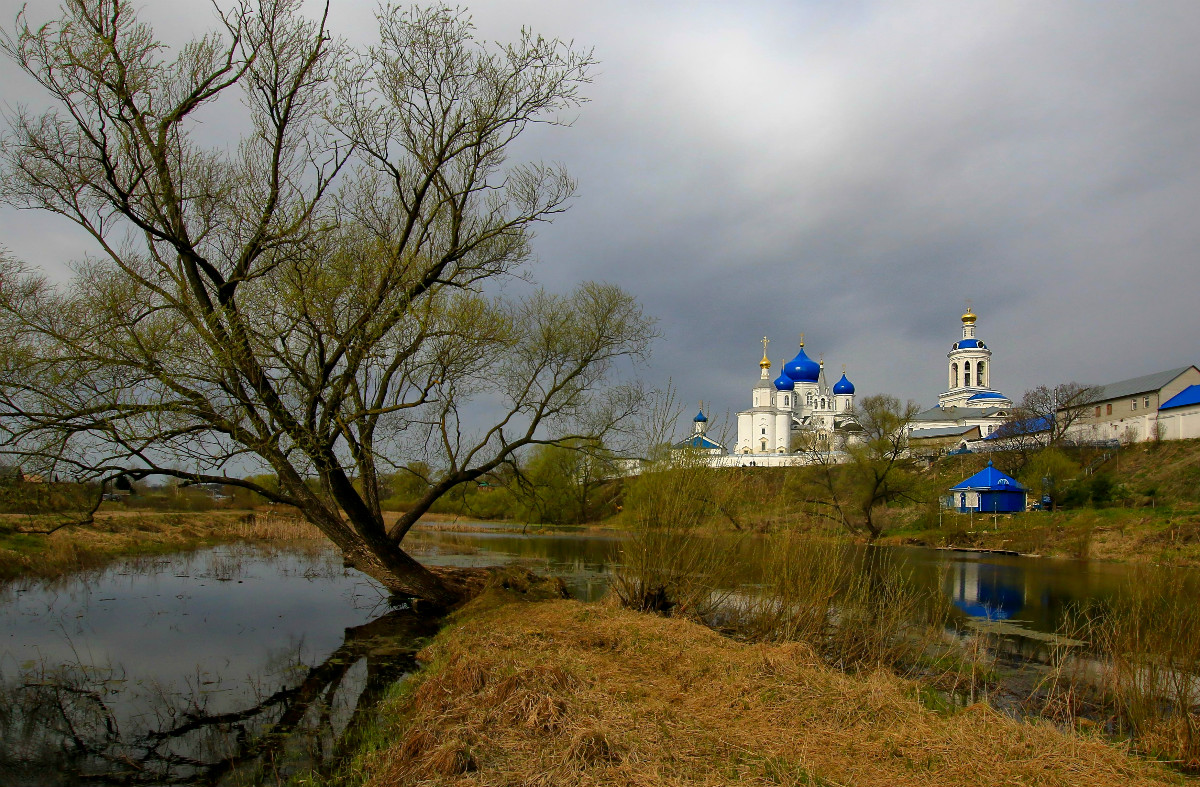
(847,405)
(764,445)
(809,398)
(785,401)
(764,430)
(822,404)
(979,376)
(953,375)
(967,374)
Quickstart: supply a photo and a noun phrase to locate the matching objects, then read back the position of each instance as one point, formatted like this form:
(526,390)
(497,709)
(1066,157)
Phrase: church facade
(799,403)
(789,417)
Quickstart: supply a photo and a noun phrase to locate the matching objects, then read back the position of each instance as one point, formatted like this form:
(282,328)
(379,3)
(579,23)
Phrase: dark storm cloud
(856,171)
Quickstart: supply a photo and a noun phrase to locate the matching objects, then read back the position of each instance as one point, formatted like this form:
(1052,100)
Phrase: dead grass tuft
(561,693)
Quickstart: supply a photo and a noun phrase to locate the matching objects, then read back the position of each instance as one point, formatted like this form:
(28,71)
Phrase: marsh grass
(565,693)
(857,609)
(116,535)
(669,563)
(1140,673)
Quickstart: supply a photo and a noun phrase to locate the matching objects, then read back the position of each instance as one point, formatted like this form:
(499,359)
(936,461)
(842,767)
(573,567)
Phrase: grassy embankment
(1153,515)
(1150,511)
(119,534)
(559,692)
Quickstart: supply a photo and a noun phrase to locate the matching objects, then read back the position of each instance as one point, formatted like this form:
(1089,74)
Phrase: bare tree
(1044,418)
(859,475)
(310,300)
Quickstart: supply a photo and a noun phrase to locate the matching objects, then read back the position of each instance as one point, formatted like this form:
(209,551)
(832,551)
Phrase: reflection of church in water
(986,590)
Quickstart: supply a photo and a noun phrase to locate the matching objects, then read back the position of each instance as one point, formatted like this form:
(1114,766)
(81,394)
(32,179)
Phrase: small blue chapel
(988,492)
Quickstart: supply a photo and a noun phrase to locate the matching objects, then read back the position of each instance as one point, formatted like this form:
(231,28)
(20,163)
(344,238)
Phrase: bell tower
(969,371)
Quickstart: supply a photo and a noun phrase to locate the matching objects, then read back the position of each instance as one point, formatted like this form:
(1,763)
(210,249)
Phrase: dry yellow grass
(112,535)
(563,693)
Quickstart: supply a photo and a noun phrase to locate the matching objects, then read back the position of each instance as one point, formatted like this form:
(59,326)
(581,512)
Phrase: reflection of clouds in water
(145,669)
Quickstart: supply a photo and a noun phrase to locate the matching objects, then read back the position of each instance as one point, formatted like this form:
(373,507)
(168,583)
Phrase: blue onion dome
(700,418)
(802,369)
(843,386)
(784,383)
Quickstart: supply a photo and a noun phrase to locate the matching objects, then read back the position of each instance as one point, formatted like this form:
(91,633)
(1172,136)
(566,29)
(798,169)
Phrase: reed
(669,564)
(857,609)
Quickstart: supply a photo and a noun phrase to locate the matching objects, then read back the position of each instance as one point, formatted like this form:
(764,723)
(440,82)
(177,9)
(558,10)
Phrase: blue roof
(802,369)
(1024,426)
(843,386)
(784,383)
(700,418)
(966,344)
(698,441)
(1189,395)
(989,478)
(987,395)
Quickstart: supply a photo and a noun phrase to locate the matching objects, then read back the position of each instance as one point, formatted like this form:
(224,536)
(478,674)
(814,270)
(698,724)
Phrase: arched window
(980,378)
(822,403)
(764,445)
(954,375)
(847,407)
(809,398)
(785,401)
(967,373)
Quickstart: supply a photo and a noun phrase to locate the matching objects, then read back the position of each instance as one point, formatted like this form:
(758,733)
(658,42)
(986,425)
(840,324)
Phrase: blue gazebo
(988,492)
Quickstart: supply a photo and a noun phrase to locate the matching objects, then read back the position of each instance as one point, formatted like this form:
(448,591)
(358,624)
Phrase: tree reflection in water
(65,725)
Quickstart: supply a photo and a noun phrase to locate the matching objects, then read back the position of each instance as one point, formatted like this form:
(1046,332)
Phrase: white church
(799,410)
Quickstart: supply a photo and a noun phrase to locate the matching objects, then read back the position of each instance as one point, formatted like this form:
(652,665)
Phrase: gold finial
(843,368)
(765,363)
(821,358)
(801,341)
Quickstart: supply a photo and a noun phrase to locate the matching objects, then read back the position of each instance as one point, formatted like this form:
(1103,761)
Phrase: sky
(856,171)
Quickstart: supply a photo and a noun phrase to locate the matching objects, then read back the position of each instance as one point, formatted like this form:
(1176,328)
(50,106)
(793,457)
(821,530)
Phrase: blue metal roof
(699,441)
(1022,427)
(967,344)
(700,418)
(1189,395)
(784,383)
(843,386)
(991,479)
(987,395)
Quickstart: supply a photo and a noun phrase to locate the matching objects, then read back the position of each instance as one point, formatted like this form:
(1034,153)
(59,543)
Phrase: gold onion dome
(968,318)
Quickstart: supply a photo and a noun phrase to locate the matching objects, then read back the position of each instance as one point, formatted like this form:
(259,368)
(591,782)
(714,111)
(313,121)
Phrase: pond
(242,664)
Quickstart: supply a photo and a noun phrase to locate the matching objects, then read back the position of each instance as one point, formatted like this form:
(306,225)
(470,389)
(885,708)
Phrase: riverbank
(1170,538)
(559,692)
(27,553)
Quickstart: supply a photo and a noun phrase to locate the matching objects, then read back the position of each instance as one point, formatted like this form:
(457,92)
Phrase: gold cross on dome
(801,340)
(765,342)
